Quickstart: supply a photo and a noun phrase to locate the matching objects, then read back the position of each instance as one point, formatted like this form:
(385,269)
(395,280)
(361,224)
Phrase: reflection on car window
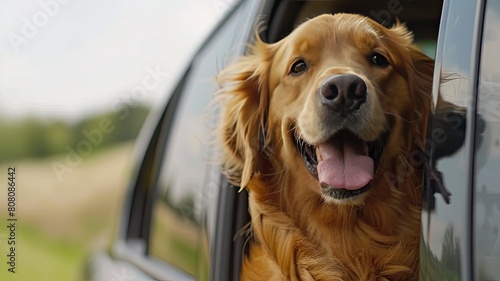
(447,199)
(187,183)
(487,194)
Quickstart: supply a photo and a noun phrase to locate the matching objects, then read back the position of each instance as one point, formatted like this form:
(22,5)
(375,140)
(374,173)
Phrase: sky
(71,58)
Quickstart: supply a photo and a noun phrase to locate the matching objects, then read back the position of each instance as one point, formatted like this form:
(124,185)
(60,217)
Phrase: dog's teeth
(318,154)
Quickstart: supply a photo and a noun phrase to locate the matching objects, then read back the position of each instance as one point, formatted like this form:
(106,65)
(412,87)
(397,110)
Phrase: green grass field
(60,222)
(41,257)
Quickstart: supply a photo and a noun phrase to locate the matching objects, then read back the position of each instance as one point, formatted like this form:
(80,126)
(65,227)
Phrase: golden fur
(299,234)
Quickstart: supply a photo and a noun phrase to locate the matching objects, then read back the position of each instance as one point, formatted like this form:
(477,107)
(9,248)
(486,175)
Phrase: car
(182,220)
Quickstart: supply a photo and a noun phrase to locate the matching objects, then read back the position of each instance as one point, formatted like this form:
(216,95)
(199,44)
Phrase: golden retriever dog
(325,130)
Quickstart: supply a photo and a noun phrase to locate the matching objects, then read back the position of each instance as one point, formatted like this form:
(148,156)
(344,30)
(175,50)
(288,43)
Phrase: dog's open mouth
(344,165)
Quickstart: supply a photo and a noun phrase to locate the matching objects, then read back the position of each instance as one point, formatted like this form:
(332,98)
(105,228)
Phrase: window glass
(487,196)
(187,180)
(446,219)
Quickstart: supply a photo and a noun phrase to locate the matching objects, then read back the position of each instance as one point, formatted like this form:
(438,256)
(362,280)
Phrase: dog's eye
(298,67)
(379,60)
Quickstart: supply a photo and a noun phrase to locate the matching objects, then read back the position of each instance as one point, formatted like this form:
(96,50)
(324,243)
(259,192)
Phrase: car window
(446,219)
(487,165)
(187,180)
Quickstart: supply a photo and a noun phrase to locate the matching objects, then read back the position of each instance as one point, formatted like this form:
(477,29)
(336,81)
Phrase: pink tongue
(344,166)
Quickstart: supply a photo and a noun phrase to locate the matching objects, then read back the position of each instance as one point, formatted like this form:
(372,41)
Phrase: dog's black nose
(343,93)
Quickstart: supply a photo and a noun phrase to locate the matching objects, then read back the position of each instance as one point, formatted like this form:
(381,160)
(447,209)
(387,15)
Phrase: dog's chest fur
(314,241)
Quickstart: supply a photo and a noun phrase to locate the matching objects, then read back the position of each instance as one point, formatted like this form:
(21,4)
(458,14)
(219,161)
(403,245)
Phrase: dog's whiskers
(375,78)
(401,117)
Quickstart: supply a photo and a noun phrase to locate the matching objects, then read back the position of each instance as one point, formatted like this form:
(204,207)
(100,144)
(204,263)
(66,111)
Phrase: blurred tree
(450,256)
(13,140)
(36,138)
(58,135)
(35,133)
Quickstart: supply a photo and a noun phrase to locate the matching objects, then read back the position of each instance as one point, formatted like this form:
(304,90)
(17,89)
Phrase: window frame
(134,230)
(131,240)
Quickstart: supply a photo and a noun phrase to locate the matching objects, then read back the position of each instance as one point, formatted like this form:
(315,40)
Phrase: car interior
(422,17)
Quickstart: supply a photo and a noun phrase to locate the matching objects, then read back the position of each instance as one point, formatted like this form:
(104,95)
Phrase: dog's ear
(421,75)
(418,69)
(245,99)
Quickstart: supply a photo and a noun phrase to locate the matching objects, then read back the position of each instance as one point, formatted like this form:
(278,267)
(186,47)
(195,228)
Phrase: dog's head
(331,102)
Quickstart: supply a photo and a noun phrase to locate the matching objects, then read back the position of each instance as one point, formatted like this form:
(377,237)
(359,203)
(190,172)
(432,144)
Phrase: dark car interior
(421,17)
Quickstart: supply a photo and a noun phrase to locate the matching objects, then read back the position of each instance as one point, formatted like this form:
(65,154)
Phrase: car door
(448,217)
(486,197)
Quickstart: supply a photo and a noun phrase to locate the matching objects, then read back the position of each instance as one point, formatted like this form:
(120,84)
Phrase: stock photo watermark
(451,125)
(94,137)
(123,275)
(84,148)
(8,234)
(385,16)
(489,99)
(150,82)
(222,6)
(31,26)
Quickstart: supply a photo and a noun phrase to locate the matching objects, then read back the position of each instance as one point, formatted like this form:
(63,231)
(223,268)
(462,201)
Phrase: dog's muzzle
(345,163)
